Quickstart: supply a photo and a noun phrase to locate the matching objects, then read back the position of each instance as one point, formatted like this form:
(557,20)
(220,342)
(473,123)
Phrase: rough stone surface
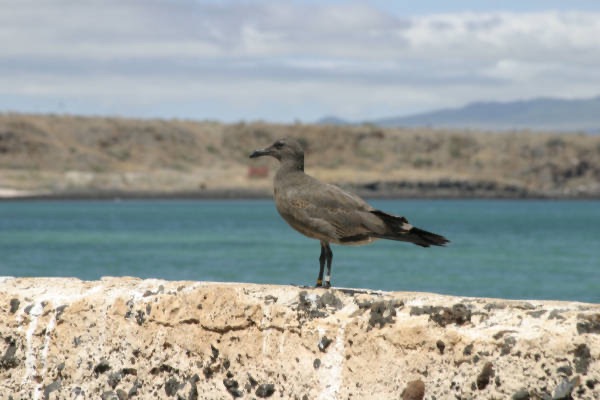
(415,390)
(126,338)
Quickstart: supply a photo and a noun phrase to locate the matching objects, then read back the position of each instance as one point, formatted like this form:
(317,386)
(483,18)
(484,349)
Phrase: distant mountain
(537,114)
(332,120)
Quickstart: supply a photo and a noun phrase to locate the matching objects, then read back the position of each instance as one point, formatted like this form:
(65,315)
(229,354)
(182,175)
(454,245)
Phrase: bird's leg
(329,258)
(322,259)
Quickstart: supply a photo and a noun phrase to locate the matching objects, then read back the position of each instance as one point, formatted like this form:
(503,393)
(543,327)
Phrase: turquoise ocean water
(500,248)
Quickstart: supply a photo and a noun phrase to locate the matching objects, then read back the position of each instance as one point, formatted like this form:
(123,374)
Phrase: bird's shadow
(349,291)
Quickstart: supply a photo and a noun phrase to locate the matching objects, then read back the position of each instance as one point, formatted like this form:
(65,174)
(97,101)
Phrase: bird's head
(285,150)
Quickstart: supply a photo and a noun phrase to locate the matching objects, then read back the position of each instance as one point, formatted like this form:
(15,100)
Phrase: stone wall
(125,338)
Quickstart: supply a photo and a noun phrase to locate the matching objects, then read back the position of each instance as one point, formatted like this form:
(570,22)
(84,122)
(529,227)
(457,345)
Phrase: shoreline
(75,157)
(250,194)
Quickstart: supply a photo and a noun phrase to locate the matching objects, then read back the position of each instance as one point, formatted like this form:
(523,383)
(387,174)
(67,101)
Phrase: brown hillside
(47,154)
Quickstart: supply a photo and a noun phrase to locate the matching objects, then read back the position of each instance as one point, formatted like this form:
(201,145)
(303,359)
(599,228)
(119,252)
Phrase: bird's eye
(279,144)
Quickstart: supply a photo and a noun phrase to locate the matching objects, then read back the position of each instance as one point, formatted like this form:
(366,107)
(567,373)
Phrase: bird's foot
(324,285)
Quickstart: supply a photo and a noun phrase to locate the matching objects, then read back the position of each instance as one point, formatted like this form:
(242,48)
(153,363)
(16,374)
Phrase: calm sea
(509,249)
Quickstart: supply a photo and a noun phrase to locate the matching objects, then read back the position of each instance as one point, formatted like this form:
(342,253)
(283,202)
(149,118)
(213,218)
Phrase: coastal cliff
(127,338)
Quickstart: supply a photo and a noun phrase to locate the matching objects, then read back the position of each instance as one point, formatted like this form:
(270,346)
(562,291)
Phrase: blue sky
(288,61)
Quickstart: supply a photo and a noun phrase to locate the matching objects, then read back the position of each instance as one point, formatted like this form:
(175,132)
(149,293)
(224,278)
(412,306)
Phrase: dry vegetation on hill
(61,155)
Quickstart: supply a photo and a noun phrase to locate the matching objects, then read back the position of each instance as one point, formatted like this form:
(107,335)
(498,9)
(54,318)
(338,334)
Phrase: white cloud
(280,61)
(516,70)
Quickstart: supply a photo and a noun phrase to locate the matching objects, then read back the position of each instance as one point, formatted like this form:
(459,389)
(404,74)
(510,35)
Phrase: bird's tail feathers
(426,238)
(400,229)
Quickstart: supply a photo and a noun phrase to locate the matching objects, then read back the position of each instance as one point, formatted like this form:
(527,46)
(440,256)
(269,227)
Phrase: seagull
(329,214)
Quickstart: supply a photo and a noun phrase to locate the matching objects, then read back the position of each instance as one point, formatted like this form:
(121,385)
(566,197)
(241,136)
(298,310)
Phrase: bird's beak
(260,153)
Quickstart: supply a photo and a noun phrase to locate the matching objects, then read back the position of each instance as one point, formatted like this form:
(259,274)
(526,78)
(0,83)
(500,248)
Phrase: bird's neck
(292,165)
(286,171)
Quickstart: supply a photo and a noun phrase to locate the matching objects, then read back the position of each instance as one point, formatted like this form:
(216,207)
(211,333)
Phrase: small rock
(565,370)
(509,343)
(207,372)
(215,353)
(102,367)
(383,312)
(441,346)
(459,314)
(14,305)
(582,359)
(265,390)
(316,363)
(311,305)
(129,371)
(556,314)
(109,395)
(501,333)
(483,379)
(415,390)
(193,393)
(253,382)
(308,307)
(134,389)
(590,324)
(269,299)
(424,310)
(324,343)
(232,387)
(468,350)
(122,395)
(9,360)
(525,306)
(494,306)
(536,314)
(329,299)
(565,388)
(51,388)
(521,394)
(171,386)
(163,368)
(114,379)
(140,317)
(59,311)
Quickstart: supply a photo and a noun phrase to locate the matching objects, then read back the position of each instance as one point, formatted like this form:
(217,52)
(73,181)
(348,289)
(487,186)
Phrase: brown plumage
(329,214)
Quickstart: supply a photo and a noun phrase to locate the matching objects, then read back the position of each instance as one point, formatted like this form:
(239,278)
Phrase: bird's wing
(327,212)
